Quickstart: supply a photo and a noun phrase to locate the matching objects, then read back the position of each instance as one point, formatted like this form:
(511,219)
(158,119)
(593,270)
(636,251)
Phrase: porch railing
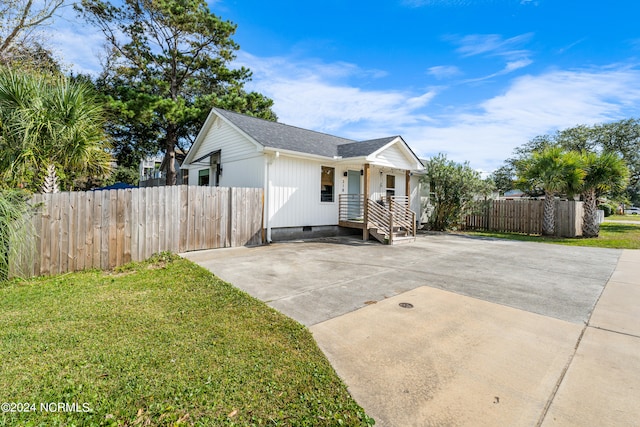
(390,215)
(403,216)
(379,216)
(351,207)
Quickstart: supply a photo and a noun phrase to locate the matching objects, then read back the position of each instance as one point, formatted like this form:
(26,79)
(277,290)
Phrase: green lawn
(160,343)
(623,217)
(612,235)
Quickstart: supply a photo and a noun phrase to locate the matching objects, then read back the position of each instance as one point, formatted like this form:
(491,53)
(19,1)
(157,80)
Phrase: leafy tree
(553,171)
(453,186)
(622,137)
(33,57)
(49,121)
(603,173)
(19,22)
(504,178)
(124,174)
(168,66)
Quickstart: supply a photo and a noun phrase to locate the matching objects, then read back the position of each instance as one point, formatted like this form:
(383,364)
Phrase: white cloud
(493,45)
(532,105)
(80,45)
(508,68)
(441,72)
(80,48)
(484,133)
(317,95)
(516,65)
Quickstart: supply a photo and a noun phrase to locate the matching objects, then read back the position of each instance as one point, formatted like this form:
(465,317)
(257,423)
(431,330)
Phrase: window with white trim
(327,184)
(391,185)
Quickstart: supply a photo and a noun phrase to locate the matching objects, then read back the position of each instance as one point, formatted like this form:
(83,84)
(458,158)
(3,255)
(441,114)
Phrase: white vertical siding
(294,193)
(242,164)
(378,186)
(415,201)
(243,173)
(240,173)
(221,136)
(342,182)
(393,157)
(376,183)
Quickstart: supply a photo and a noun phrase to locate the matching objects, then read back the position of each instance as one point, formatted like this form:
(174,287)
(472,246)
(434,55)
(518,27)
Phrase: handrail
(379,216)
(387,217)
(403,215)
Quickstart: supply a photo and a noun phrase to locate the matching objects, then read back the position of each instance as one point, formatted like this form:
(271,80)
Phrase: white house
(314,183)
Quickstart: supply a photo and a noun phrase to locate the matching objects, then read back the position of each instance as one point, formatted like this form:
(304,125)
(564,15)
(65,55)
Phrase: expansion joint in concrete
(559,382)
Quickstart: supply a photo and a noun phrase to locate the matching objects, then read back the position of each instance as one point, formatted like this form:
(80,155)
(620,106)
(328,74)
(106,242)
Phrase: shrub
(608,210)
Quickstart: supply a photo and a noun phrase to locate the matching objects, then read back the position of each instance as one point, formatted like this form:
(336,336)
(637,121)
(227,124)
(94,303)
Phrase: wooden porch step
(399,240)
(398,237)
(373,232)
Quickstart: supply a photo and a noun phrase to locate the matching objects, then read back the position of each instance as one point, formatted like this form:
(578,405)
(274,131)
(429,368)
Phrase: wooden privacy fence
(524,216)
(105,229)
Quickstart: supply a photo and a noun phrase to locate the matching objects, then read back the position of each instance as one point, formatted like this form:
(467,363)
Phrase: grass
(612,235)
(160,343)
(623,217)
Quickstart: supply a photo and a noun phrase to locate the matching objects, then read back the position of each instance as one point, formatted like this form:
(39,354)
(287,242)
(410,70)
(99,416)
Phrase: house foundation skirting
(309,232)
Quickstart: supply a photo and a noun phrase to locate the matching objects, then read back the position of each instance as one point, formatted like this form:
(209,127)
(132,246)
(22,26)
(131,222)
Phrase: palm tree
(49,121)
(553,171)
(604,172)
(15,227)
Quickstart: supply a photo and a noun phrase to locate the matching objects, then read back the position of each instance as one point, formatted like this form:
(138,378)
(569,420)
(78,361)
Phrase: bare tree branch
(18,17)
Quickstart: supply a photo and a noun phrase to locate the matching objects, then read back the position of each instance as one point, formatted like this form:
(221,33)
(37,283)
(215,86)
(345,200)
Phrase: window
(327,181)
(203,177)
(391,185)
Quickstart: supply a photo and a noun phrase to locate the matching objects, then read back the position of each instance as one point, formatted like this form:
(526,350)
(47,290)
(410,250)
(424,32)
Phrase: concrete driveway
(499,331)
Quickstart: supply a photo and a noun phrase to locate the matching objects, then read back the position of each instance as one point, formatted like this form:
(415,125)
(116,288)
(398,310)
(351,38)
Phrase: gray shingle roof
(364,148)
(285,137)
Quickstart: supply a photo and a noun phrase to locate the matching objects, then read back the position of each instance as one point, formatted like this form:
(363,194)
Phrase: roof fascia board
(301,155)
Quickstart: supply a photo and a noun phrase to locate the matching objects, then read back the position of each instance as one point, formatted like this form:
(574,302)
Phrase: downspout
(267,191)
(267,198)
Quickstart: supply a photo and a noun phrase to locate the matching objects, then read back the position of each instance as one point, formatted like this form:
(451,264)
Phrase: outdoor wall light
(345,173)
(361,172)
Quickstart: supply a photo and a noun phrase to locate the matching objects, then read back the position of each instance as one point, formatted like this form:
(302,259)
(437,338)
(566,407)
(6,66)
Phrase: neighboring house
(314,183)
(153,170)
(513,194)
(150,167)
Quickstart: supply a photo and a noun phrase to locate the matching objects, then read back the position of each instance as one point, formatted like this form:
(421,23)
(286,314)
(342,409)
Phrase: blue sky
(470,78)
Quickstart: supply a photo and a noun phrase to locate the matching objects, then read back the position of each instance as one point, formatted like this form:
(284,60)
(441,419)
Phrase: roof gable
(396,153)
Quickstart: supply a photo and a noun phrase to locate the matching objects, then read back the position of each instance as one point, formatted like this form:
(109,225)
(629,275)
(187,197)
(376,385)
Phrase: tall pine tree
(169,63)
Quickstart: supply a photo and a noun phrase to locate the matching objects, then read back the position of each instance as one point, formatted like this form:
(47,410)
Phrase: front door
(353,191)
